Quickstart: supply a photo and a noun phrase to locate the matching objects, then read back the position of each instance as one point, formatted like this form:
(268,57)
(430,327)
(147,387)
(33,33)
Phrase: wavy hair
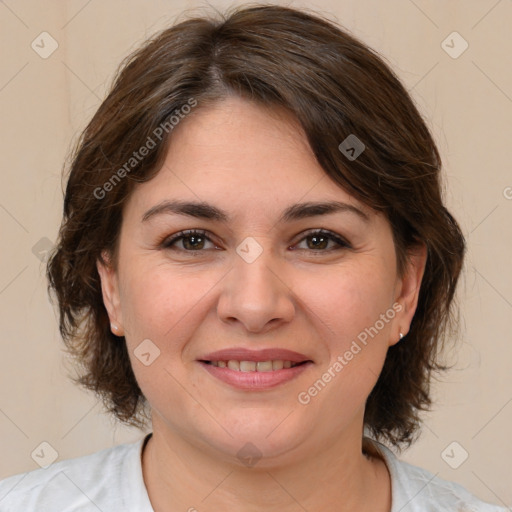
(335,86)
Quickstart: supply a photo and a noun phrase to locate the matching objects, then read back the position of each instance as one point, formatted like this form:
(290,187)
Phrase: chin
(259,438)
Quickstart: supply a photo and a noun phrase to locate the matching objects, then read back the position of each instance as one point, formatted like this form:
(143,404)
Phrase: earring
(401,335)
(114,327)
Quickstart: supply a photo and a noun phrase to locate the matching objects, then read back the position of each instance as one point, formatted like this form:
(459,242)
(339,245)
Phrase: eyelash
(169,242)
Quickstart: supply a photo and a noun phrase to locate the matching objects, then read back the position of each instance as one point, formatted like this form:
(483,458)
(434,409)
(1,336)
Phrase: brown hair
(335,86)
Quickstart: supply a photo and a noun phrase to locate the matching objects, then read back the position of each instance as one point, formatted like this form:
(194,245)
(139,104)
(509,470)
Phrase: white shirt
(111,481)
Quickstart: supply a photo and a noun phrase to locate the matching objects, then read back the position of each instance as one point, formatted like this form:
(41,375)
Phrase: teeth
(277,365)
(254,366)
(234,365)
(264,366)
(247,366)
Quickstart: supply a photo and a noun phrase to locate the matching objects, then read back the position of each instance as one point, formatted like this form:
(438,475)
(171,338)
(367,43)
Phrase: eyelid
(342,242)
(169,241)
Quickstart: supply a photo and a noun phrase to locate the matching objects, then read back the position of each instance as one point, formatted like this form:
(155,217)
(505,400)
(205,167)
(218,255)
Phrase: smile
(254,366)
(254,375)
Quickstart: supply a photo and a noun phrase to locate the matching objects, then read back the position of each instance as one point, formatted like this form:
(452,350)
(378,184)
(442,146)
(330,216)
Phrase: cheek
(347,310)
(163,307)
(347,301)
(161,304)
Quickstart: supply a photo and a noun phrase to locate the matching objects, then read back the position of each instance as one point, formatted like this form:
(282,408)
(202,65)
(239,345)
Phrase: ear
(110,292)
(408,291)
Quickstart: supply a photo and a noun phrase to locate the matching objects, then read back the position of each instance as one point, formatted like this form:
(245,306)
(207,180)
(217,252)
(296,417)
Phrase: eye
(194,240)
(191,240)
(320,239)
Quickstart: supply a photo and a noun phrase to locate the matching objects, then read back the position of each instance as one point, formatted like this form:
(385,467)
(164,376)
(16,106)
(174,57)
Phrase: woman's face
(257,277)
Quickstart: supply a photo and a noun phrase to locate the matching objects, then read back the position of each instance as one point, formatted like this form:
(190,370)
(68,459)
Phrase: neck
(181,476)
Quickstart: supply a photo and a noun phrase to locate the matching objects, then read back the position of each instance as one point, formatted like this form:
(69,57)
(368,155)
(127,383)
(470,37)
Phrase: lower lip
(255,380)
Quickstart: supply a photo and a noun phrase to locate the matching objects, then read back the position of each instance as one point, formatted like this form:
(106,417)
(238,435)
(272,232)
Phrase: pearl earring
(401,335)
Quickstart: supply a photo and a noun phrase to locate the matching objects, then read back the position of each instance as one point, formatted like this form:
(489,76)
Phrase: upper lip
(243,354)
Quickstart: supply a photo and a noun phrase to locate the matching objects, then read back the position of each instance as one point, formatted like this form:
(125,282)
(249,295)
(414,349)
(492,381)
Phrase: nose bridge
(254,293)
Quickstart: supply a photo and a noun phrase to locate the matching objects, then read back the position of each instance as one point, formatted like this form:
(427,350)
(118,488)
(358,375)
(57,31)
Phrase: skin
(253,163)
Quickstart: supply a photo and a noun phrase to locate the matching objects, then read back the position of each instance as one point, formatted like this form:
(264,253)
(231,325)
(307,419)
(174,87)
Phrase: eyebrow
(203,210)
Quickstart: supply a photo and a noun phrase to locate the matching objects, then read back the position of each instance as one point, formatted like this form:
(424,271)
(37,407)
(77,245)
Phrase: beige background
(467,102)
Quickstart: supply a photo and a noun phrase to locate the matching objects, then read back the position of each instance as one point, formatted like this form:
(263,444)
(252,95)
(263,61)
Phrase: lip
(243,354)
(255,381)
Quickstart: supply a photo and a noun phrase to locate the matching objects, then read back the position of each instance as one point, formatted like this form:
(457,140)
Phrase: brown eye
(319,241)
(191,240)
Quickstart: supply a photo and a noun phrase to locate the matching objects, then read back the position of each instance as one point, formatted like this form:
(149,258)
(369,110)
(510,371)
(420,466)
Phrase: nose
(256,295)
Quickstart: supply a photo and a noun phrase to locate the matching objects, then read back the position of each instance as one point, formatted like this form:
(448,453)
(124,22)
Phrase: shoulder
(110,479)
(415,489)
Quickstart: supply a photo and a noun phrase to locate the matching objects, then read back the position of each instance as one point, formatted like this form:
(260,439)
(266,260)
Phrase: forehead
(238,135)
(242,156)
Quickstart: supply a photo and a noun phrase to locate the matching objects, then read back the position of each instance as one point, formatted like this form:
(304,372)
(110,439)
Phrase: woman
(256,257)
